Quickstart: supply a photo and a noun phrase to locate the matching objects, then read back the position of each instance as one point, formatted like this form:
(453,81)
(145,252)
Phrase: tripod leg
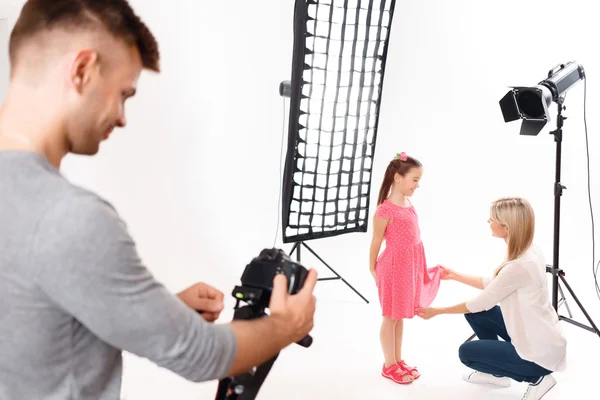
(245,386)
(564,300)
(332,270)
(294,247)
(594,328)
(223,388)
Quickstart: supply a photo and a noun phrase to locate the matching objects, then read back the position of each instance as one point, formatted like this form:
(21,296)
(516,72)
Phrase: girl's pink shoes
(409,370)
(397,374)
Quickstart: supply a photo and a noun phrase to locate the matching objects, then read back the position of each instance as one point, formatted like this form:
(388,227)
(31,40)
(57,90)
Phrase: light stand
(554,269)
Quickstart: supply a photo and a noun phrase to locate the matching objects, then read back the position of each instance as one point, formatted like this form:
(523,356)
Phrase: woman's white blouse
(521,289)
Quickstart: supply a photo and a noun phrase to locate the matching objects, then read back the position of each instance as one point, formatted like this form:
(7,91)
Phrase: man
(73,291)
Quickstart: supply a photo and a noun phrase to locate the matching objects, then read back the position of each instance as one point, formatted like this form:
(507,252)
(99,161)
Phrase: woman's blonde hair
(517,216)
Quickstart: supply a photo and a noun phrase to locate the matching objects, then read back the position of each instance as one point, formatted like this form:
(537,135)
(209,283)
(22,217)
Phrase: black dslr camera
(255,291)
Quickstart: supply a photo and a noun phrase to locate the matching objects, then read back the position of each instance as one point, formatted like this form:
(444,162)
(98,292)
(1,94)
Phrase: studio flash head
(531,103)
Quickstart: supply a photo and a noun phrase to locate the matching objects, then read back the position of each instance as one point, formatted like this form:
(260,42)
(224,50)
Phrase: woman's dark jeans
(494,356)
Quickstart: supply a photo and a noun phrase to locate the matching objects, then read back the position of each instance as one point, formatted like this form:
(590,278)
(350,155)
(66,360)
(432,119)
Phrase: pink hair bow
(402,156)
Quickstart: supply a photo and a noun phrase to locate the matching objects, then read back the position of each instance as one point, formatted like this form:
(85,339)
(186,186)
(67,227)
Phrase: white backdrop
(195,174)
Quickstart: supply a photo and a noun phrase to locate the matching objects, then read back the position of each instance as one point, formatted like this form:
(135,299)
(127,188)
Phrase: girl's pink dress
(404,282)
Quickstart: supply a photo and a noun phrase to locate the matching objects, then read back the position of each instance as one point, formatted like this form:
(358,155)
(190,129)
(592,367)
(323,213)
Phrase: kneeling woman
(533,346)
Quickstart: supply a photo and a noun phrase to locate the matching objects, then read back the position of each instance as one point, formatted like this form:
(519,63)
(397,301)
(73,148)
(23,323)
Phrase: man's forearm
(258,340)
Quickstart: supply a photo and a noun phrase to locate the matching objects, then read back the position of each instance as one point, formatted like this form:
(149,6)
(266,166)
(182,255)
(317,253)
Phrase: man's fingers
(215,294)
(208,305)
(205,290)
(310,282)
(209,316)
(280,288)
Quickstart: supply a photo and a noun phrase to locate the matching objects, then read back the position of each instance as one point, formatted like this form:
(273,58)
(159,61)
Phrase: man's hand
(290,320)
(205,299)
(427,313)
(293,313)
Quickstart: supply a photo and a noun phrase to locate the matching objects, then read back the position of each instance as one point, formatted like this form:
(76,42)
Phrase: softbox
(338,64)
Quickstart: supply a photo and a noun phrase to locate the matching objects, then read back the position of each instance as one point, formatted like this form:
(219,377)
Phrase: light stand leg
(296,248)
(337,276)
(594,328)
(563,299)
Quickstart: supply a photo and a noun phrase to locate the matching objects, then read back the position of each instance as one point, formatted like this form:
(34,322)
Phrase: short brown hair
(115,16)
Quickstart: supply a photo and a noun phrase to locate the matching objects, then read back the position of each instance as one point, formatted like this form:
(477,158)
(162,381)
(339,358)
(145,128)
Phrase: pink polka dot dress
(403,280)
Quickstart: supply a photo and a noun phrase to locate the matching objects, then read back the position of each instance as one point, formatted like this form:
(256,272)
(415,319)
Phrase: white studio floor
(345,360)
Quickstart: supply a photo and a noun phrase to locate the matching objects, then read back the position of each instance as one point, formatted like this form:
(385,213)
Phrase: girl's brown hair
(401,164)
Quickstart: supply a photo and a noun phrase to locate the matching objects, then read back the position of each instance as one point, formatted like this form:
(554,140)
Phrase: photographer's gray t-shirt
(74,293)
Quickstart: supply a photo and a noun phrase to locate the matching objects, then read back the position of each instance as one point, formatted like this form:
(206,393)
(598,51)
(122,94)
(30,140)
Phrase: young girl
(403,280)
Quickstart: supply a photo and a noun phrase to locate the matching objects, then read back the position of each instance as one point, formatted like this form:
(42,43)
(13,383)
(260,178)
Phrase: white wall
(206,135)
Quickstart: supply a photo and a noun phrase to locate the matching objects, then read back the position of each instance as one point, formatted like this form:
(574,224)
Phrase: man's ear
(83,67)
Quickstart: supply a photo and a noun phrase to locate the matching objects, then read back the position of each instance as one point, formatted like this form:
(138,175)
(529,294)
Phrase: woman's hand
(374,274)
(447,273)
(427,313)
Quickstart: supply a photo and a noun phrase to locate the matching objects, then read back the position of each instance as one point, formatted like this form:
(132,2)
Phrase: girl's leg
(398,332)
(386,335)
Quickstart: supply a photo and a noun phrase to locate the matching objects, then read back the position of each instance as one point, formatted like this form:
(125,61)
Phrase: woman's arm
(474,281)
(431,312)
(379,225)
(510,278)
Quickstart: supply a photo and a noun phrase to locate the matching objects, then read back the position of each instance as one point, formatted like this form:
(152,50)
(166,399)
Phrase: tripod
(297,247)
(554,269)
(247,385)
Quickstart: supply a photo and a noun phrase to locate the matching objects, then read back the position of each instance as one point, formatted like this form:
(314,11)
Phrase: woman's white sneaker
(537,390)
(482,377)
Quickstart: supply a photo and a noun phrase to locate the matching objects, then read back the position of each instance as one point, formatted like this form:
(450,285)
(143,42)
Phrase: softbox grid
(338,64)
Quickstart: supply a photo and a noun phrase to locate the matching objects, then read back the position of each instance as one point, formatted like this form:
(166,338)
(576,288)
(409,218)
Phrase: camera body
(255,291)
(257,278)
